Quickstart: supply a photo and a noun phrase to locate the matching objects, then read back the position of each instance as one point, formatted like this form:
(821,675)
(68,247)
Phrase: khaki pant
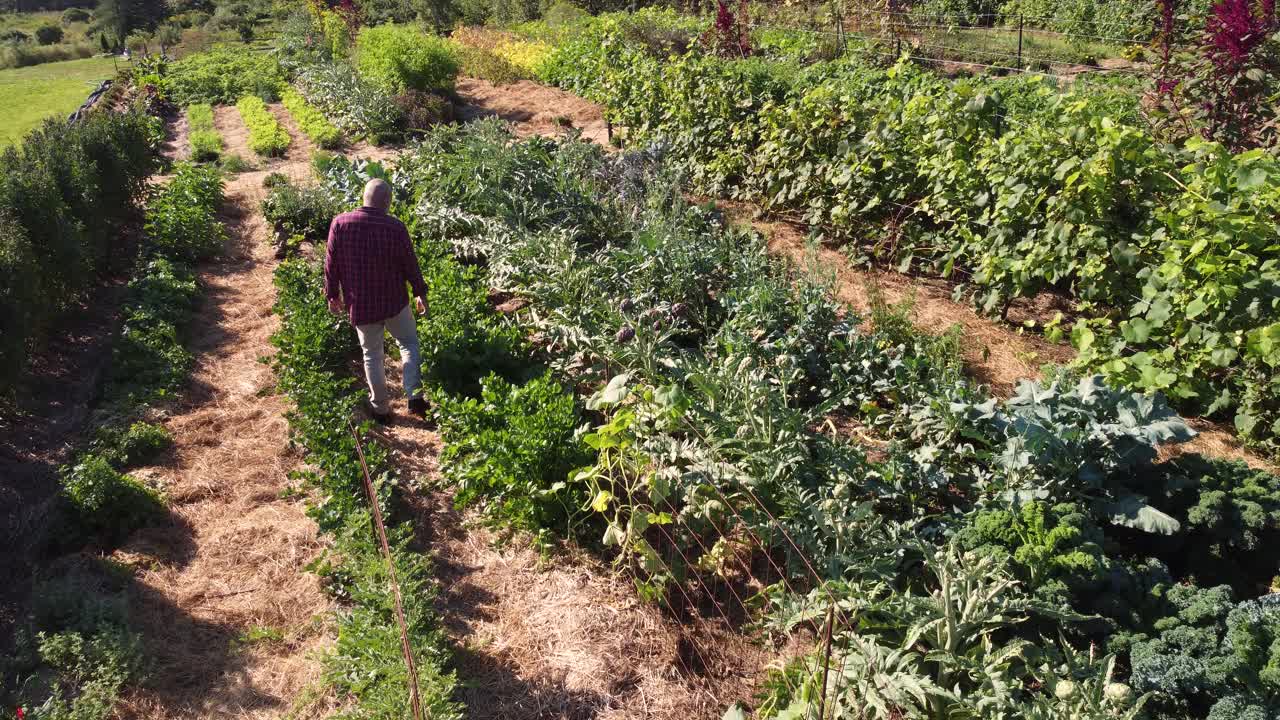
(372,338)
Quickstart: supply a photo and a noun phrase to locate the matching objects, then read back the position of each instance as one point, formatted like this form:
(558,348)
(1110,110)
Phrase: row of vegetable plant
(267,137)
(669,396)
(206,141)
(311,121)
(314,353)
(77,650)
(1010,186)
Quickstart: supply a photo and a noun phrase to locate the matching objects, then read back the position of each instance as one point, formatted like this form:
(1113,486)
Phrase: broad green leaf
(1137,330)
(1083,337)
(612,394)
(1133,511)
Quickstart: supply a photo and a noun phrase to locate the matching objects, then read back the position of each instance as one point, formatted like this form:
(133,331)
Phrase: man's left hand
(335,306)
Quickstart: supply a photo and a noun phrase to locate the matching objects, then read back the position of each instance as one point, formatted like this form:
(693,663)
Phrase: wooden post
(1020,23)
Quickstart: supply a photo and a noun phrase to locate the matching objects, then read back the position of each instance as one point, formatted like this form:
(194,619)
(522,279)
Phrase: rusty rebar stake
(405,646)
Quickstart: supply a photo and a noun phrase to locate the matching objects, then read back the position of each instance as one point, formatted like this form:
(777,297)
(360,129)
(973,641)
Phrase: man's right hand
(422,306)
(335,306)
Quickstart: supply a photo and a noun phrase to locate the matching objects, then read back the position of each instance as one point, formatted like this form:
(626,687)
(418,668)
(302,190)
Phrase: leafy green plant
(206,142)
(1231,518)
(267,137)
(1211,657)
(137,444)
(354,104)
(512,449)
(396,58)
(301,210)
(1068,437)
(463,340)
(92,671)
(106,503)
(1060,553)
(312,122)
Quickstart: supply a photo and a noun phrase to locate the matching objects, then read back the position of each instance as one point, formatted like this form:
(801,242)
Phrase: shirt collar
(372,210)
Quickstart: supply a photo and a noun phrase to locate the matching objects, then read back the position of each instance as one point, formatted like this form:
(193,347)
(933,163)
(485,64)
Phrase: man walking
(367,264)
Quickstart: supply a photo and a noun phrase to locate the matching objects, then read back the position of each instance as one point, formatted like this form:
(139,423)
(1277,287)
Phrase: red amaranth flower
(1233,33)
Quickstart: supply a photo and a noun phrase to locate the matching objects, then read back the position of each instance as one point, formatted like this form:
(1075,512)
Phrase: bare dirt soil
(532,109)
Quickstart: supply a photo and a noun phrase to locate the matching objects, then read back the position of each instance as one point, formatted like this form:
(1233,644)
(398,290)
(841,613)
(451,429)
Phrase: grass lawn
(31,94)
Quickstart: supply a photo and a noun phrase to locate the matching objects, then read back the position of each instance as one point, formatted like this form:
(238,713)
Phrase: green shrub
(65,191)
(48,34)
(107,504)
(206,141)
(75,15)
(266,136)
(222,76)
(399,57)
(312,122)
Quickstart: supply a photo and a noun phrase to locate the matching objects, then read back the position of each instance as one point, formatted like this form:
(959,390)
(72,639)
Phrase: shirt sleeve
(412,270)
(332,276)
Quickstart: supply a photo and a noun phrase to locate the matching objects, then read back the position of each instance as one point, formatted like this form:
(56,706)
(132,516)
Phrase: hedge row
(65,192)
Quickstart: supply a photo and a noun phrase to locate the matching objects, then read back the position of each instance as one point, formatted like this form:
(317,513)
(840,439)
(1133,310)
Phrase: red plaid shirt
(369,259)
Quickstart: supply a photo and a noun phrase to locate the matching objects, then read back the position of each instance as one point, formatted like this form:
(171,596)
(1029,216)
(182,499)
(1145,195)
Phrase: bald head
(377,194)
